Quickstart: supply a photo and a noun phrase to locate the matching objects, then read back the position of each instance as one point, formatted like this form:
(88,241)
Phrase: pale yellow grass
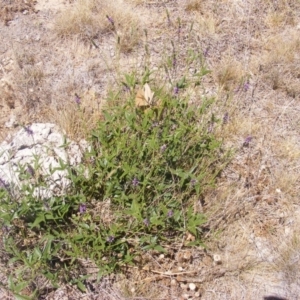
(230,74)
(208,22)
(77,121)
(280,13)
(193,5)
(91,19)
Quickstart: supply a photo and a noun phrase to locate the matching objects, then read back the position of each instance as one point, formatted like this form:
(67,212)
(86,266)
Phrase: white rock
(42,193)
(25,155)
(61,153)
(74,153)
(161,256)
(40,145)
(4,153)
(217,259)
(55,139)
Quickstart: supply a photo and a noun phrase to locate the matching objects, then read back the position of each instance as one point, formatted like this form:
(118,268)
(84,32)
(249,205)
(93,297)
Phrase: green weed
(134,192)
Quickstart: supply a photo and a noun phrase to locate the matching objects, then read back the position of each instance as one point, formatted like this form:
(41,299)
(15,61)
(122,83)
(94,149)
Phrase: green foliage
(146,167)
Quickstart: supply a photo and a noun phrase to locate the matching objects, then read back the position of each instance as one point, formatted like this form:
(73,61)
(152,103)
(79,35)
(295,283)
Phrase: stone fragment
(42,147)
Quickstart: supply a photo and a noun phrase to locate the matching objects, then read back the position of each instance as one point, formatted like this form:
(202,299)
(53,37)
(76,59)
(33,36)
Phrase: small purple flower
(28,130)
(205,53)
(111,21)
(242,87)
(3,184)
(30,170)
(126,88)
(163,148)
(247,141)
(82,208)
(176,90)
(154,124)
(246,86)
(170,213)
(174,61)
(5,229)
(77,99)
(226,118)
(146,222)
(135,182)
(193,182)
(110,239)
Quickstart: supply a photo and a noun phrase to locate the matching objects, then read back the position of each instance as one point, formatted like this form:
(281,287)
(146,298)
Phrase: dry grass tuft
(77,120)
(288,261)
(286,182)
(193,5)
(8,9)
(7,94)
(280,13)
(209,23)
(229,74)
(91,19)
(81,20)
(280,62)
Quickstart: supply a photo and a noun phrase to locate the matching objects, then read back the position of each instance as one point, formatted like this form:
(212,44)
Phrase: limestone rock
(40,150)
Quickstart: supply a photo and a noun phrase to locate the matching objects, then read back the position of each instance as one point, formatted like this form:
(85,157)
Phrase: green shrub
(135,191)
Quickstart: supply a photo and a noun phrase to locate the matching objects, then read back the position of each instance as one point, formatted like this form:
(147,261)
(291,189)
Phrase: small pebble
(217,259)
(192,286)
(161,256)
(183,286)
